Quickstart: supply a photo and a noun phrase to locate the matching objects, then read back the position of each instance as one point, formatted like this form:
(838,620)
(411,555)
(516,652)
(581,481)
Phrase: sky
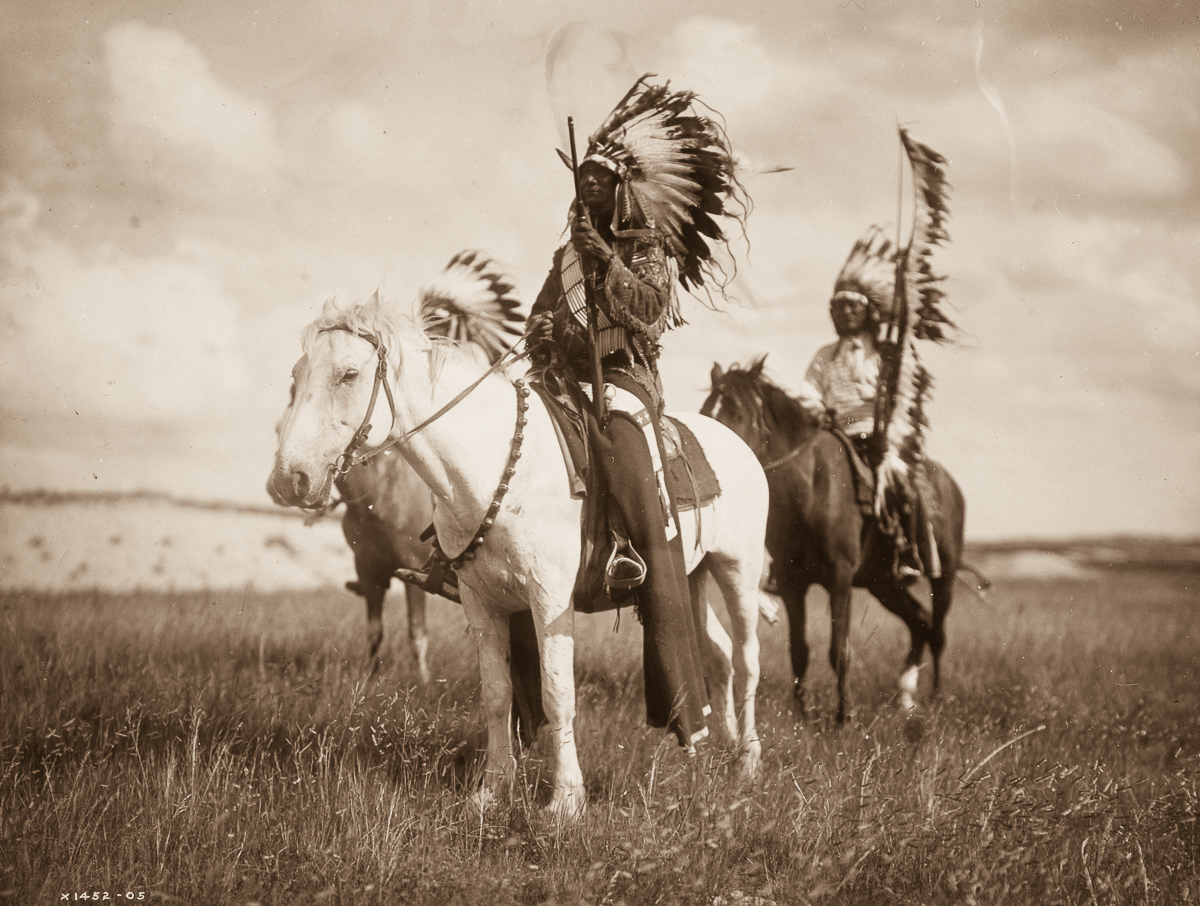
(183,185)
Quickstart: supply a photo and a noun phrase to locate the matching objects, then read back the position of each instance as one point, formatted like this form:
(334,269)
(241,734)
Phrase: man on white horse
(654,174)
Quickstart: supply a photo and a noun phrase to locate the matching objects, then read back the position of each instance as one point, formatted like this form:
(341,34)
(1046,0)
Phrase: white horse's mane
(395,328)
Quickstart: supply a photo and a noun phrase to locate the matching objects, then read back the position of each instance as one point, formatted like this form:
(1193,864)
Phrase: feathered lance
(916,314)
(593,331)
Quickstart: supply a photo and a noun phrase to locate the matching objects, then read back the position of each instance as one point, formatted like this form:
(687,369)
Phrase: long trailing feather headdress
(472,301)
(869,273)
(676,175)
(916,313)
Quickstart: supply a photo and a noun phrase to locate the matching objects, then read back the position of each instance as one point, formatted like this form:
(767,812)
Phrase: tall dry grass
(229,749)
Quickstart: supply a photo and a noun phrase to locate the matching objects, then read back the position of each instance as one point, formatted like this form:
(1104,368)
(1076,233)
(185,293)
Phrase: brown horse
(817,533)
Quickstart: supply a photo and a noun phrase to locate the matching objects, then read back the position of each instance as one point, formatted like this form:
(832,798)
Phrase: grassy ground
(228,749)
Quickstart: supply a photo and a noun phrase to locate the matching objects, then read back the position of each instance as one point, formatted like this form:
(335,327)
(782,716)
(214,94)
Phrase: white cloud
(112,335)
(1072,140)
(357,136)
(168,99)
(727,63)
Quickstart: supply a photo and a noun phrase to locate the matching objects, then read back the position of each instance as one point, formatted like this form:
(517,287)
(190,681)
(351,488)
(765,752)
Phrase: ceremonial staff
(593,331)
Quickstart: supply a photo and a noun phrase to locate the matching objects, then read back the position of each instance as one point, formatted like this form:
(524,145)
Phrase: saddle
(864,476)
(864,495)
(690,480)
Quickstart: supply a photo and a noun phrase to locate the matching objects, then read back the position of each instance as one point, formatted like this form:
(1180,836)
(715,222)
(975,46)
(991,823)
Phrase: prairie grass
(229,748)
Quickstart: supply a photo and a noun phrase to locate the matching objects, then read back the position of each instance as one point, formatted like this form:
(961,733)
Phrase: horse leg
(372,590)
(943,597)
(902,603)
(738,580)
(556,640)
(491,637)
(718,664)
(418,633)
(793,594)
(840,592)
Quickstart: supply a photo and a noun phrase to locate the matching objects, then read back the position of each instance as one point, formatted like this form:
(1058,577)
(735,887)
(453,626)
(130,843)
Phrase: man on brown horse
(634,235)
(842,381)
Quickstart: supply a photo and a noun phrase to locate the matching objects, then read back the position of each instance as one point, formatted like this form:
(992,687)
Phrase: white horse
(387,505)
(529,558)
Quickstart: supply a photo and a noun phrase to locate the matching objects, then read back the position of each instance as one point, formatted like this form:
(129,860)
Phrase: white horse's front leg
(744,621)
(491,636)
(557,646)
(739,585)
(718,667)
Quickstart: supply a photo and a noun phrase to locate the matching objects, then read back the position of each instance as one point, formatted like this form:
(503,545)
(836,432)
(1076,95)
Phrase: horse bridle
(760,424)
(346,461)
(349,457)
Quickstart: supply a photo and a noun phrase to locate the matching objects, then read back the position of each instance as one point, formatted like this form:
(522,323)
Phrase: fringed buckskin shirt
(632,290)
(843,377)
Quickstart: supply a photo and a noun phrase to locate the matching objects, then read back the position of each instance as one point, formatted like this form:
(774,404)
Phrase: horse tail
(768,608)
(982,583)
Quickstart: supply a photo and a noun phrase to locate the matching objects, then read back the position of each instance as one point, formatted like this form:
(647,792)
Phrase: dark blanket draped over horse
(817,532)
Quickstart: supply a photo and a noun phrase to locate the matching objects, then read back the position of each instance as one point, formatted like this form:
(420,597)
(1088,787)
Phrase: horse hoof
(566,806)
(484,800)
(749,761)
(908,688)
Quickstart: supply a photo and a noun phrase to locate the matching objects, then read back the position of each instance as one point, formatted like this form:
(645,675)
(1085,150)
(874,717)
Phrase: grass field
(227,748)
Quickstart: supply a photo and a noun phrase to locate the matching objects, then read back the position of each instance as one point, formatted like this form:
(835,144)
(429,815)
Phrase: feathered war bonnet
(675,175)
(869,274)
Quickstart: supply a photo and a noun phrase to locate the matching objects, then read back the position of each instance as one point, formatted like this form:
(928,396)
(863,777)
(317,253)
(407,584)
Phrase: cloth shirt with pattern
(843,377)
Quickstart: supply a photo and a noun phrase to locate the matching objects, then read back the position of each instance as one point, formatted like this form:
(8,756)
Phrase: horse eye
(350,376)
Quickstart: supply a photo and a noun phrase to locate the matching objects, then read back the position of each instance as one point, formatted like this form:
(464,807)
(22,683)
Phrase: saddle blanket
(691,480)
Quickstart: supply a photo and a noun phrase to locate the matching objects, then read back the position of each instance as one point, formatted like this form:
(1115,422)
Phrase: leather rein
(350,457)
(760,423)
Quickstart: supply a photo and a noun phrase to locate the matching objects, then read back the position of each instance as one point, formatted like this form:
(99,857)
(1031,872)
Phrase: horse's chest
(497,577)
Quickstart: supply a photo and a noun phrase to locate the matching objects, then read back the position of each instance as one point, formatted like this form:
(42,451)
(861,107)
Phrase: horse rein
(761,425)
(349,457)
(783,460)
(346,460)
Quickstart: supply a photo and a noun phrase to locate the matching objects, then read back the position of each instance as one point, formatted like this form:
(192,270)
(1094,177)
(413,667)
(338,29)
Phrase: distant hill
(118,542)
(56,540)
(1115,552)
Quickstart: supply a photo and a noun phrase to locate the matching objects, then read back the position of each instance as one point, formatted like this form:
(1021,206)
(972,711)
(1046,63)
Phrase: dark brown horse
(817,533)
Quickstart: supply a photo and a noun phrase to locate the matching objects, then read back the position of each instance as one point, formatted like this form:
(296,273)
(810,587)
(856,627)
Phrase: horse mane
(394,328)
(782,412)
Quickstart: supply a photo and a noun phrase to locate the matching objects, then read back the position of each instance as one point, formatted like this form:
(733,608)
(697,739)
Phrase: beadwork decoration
(510,470)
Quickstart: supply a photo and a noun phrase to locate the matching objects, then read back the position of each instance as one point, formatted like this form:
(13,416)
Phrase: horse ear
(716,373)
(756,367)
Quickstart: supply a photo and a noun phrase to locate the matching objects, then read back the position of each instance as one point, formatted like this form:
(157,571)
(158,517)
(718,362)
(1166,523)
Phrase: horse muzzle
(296,487)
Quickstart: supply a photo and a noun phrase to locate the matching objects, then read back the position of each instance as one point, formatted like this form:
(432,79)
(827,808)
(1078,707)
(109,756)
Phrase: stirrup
(625,569)
(437,577)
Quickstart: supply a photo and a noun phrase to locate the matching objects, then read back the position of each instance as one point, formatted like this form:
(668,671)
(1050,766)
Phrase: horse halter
(762,430)
(758,420)
(346,460)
